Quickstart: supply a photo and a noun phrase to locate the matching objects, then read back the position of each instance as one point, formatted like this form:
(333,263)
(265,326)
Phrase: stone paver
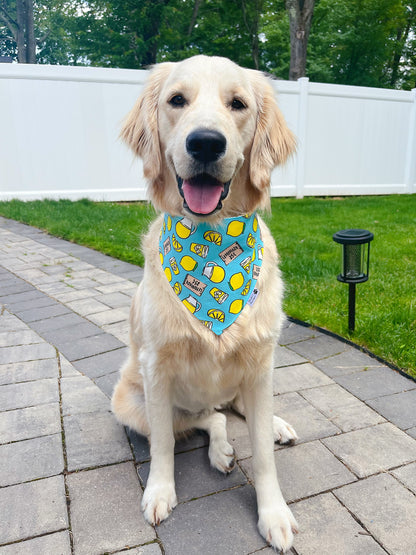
(373,450)
(350,480)
(199,527)
(80,394)
(94,439)
(329,528)
(306,470)
(57,543)
(29,371)
(300,376)
(386,509)
(21,395)
(343,409)
(32,509)
(374,383)
(105,510)
(347,362)
(31,459)
(398,408)
(30,422)
(407,475)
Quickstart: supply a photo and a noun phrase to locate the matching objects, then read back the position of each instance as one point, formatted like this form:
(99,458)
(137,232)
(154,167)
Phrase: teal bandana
(212,269)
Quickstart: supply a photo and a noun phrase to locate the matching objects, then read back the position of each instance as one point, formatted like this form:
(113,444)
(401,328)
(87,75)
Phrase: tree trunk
(25,32)
(30,33)
(253,29)
(20,39)
(300,19)
(197,5)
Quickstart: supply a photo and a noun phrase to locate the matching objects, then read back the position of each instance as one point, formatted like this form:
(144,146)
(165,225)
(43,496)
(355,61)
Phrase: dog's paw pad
(221,456)
(283,432)
(157,503)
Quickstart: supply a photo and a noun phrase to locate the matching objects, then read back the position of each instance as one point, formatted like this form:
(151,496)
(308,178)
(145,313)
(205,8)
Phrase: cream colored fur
(178,371)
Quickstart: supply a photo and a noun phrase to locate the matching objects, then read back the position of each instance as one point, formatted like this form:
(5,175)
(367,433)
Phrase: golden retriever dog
(209,133)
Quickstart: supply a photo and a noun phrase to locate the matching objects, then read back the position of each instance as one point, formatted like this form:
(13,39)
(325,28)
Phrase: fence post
(409,169)
(301,135)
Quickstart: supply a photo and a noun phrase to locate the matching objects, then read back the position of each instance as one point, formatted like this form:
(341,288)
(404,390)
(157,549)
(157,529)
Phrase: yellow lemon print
(213,237)
(235,228)
(169,224)
(251,240)
(161,257)
(184,228)
(255,224)
(253,256)
(177,288)
(236,306)
(188,263)
(176,245)
(168,273)
(246,288)
(164,226)
(216,314)
(236,281)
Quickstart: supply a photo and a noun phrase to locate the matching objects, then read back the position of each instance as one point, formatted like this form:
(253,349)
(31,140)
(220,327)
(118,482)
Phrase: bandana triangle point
(212,270)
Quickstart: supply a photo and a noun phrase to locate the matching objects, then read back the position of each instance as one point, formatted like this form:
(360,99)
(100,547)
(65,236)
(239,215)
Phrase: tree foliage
(357,42)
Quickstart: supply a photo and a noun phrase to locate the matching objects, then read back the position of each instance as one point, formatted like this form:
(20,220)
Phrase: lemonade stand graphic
(214,272)
(192,304)
(185,227)
(217,269)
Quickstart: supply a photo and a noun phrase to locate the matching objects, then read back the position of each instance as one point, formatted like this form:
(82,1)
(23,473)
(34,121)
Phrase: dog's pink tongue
(201,196)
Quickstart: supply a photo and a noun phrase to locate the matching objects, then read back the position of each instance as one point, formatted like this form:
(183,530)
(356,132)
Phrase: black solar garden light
(355,263)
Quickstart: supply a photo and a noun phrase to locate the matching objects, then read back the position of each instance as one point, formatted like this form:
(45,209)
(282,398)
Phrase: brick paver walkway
(71,479)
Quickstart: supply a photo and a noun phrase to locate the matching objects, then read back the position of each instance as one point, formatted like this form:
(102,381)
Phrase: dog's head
(209,133)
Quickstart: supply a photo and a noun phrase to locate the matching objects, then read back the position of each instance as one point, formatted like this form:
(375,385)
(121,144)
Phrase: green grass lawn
(310,260)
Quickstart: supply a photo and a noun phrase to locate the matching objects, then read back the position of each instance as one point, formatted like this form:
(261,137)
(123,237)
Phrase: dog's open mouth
(202,194)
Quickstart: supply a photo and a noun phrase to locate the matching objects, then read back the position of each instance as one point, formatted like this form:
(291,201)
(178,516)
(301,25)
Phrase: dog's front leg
(159,497)
(276,522)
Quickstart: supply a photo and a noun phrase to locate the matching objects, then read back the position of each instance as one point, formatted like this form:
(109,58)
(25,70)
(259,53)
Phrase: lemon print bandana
(212,269)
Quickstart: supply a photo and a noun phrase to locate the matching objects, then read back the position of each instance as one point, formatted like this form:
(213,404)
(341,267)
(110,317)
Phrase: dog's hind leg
(220,452)
(128,401)
(283,432)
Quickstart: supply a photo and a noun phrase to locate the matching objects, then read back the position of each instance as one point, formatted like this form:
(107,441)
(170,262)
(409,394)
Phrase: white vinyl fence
(59,131)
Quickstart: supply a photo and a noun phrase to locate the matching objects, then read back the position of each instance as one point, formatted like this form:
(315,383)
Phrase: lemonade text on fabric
(212,269)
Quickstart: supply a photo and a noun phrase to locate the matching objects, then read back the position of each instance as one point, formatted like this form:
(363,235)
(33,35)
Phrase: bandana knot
(212,269)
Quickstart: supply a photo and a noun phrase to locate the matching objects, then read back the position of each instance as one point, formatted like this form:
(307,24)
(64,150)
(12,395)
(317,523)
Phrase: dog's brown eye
(237,104)
(178,101)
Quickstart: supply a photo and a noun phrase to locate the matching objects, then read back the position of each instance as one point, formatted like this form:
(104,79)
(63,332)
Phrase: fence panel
(60,126)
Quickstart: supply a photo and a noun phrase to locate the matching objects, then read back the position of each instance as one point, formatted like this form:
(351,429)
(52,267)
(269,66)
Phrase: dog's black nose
(206,145)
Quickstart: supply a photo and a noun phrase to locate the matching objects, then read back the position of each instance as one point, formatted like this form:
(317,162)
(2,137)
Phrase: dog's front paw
(277,525)
(221,455)
(283,432)
(158,502)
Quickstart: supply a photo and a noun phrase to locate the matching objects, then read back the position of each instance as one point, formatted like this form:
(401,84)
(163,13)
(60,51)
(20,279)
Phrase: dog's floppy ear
(140,129)
(273,141)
